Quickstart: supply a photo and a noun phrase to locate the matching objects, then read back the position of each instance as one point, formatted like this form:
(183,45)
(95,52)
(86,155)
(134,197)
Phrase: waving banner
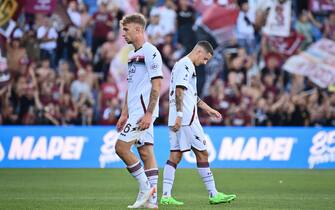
(317,63)
(279,20)
(40,6)
(220,21)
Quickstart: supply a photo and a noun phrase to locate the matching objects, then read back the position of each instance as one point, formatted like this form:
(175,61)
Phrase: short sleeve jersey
(183,75)
(144,64)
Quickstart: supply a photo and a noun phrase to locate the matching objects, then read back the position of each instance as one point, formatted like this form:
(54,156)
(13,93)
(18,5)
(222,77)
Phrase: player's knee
(202,156)
(119,149)
(145,155)
(175,157)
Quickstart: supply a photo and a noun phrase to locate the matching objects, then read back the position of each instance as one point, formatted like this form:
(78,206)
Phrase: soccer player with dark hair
(185,131)
(140,110)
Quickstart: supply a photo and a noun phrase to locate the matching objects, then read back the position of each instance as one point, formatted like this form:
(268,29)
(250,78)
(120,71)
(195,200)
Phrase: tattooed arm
(154,94)
(179,98)
(179,107)
(145,121)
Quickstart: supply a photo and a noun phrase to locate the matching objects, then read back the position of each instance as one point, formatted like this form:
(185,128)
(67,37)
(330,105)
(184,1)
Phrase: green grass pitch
(115,189)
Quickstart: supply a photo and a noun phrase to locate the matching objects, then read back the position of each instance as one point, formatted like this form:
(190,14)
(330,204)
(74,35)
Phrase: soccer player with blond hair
(140,110)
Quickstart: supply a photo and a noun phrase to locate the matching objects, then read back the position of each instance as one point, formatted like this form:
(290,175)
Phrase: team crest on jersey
(185,77)
(154,66)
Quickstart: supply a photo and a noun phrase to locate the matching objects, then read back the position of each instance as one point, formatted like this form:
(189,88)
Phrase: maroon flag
(40,6)
(286,45)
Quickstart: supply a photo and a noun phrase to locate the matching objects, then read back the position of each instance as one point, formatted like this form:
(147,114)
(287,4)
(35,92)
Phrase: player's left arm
(209,110)
(154,94)
(154,65)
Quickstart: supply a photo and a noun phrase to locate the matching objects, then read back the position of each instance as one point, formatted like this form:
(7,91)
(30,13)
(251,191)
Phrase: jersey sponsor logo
(131,72)
(2,152)
(108,154)
(31,148)
(172,101)
(322,149)
(241,148)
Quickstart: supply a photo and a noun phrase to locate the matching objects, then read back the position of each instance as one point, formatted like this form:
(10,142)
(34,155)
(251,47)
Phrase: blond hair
(134,18)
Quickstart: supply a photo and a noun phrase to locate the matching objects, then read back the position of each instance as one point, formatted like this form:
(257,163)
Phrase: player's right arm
(182,76)
(124,115)
(179,107)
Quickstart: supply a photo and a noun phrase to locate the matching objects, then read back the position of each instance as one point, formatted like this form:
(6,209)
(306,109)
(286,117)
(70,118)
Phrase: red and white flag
(317,63)
(219,21)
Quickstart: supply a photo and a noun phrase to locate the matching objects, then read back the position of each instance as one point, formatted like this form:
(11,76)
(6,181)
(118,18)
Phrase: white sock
(152,175)
(137,172)
(169,171)
(207,178)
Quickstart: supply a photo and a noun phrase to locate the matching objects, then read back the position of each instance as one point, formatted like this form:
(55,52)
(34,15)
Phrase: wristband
(180,114)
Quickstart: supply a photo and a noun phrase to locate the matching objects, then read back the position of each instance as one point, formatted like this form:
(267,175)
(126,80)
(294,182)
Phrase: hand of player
(177,124)
(214,113)
(121,122)
(145,121)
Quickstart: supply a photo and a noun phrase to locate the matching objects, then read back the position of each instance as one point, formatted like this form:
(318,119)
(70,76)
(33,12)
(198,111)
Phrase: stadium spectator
(102,23)
(85,23)
(65,74)
(82,96)
(16,56)
(185,21)
(72,11)
(330,27)
(167,16)
(107,53)
(30,43)
(245,27)
(304,26)
(83,56)
(171,52)
(155,30)
(47,36)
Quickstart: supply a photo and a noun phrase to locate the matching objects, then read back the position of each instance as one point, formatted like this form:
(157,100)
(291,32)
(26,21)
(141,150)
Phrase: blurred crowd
(61,75)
